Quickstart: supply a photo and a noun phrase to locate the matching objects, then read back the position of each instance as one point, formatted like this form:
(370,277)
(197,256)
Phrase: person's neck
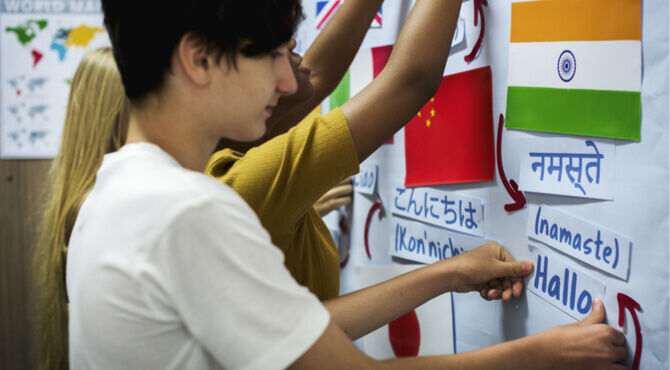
(174,130)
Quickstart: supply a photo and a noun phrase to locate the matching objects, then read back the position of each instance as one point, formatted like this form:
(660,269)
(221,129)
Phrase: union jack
(326,9)
(377,22)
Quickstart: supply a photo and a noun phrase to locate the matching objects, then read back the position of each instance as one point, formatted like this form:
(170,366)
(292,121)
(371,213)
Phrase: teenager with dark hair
(167,268)
(250,28)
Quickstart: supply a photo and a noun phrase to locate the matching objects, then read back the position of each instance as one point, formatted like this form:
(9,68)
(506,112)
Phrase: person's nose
(287,83)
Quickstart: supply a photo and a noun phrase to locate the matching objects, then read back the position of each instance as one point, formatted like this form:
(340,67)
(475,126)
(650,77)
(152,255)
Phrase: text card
(562,284)
(425,331)
(366,180)
(419,242)
(440,208)
(592,244)
(459,34)
(569,166)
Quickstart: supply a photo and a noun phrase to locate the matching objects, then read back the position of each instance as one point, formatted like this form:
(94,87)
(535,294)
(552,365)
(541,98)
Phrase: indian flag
(575,67)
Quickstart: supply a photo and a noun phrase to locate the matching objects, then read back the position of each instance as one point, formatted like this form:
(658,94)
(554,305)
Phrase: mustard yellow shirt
(282,179)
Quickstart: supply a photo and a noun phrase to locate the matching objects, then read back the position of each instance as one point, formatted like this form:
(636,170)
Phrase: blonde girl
(95,124)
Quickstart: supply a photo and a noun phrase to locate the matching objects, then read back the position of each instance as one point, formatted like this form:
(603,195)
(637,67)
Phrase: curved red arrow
(479,10)
(345,231)
(376,206)
(626,302)
(511,186)
(405,335)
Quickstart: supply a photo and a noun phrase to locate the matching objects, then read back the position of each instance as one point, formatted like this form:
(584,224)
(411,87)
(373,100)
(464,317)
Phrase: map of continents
(78,36)
(63,38)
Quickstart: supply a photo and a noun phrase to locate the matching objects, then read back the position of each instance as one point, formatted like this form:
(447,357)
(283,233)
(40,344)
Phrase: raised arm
(334,49)
(329,58)
(411,76)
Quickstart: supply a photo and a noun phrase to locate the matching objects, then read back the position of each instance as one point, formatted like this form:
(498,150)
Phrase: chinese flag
(451,139)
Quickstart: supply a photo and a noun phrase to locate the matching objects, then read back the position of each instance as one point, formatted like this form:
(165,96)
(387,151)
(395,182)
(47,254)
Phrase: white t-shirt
(170,269)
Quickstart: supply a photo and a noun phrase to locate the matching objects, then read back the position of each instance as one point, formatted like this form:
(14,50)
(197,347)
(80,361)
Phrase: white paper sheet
(41,44)
(366,180)
(561,283)
(569,166)
(416,241)
(594,245)
(440,208)
(435,318)
(459,34)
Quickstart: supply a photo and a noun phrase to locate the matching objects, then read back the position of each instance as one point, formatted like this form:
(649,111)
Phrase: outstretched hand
(587,344)
(336,197)
(490,270)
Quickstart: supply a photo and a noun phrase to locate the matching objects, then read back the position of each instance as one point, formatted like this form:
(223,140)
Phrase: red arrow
(345,231)
(479,10)
(376,206)
(511,187)
(626,302)
(405,335)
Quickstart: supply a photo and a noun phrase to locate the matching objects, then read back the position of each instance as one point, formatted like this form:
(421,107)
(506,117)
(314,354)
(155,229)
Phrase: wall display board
(571,168)
(41,44)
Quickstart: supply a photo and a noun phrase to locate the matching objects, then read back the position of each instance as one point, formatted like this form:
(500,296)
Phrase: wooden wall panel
(21,192)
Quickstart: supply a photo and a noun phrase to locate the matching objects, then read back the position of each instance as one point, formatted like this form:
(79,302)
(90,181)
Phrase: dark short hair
(144,33)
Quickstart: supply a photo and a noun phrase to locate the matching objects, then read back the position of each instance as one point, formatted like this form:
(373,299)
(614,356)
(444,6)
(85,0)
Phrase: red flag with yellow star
(451,139)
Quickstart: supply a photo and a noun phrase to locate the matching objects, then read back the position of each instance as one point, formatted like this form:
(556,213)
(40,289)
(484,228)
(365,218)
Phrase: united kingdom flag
(326,9)
(377,22)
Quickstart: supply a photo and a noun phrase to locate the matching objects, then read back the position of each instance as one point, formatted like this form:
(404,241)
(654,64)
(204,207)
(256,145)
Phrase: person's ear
(194,59)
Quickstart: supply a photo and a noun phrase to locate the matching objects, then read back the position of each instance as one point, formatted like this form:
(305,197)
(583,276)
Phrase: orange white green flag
(575,67)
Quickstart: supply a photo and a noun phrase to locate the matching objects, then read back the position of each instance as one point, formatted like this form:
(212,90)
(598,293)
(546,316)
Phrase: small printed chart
(41,45)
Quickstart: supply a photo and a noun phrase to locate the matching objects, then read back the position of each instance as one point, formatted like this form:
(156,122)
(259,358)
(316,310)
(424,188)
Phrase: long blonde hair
(95,124)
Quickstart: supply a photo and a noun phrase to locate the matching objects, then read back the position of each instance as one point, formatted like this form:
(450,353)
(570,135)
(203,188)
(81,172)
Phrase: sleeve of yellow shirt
(282,178)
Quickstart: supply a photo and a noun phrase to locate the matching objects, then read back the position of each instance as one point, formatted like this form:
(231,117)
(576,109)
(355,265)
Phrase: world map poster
(41,45)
